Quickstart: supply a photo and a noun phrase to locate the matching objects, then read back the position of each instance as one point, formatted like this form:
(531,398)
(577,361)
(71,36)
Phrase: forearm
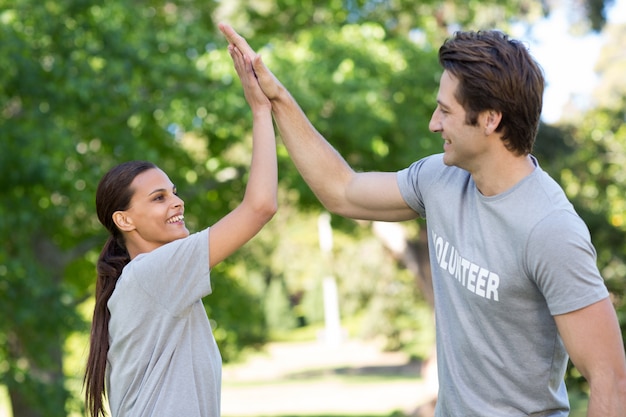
(608,398)
(324,170)
(322,167)
(261,189)
(341,190)
(594,342)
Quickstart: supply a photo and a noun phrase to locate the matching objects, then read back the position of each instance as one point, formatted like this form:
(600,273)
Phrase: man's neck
(501,174)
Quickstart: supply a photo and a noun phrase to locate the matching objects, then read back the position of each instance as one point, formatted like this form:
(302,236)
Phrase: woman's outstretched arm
(259,203)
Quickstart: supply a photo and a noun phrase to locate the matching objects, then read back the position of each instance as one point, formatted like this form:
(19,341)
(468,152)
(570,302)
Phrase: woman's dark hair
(113,194)
(497,73)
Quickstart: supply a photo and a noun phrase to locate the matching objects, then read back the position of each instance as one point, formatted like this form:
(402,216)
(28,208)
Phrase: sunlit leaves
(594,177)
(86,84)
(361,90)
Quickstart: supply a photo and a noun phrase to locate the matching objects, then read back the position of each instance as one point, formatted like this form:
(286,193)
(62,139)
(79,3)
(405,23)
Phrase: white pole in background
(332,333)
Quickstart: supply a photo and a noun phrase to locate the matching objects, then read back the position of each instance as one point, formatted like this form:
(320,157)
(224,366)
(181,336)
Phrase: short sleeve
(412,182)
(177,274)
(562,261)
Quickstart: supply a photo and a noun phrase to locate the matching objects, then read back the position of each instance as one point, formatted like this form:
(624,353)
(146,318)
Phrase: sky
(568,61)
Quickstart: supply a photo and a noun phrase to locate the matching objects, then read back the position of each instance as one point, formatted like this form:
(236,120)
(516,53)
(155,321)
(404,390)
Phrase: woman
(151,341)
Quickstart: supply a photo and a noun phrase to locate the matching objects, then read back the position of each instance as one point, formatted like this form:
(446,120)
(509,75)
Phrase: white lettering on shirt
(473,277)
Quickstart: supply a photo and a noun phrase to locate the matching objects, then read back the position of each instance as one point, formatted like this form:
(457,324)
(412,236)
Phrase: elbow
(260,207)
(332,204)
(266,210)
(339,195)
(338,210)
(340,207)
(270,210)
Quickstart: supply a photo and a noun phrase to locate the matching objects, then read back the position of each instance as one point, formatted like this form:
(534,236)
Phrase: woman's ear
(123,221)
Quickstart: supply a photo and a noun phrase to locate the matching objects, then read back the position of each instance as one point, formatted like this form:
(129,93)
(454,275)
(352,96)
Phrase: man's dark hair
(497,73)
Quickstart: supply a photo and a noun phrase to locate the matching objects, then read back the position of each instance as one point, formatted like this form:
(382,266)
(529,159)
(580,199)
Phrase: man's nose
(435,124)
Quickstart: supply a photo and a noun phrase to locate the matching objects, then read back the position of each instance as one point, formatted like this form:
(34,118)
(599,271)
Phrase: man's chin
(448,160)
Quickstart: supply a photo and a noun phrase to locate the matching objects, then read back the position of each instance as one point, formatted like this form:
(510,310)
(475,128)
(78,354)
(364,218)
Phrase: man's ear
(123,221)
(492,121)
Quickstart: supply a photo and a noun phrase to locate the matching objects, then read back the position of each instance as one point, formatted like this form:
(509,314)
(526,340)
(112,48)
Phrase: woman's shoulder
(175,274)
(193,242)
(175,254)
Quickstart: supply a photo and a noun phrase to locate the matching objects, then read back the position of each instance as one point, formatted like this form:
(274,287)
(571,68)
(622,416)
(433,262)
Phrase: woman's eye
(158,197)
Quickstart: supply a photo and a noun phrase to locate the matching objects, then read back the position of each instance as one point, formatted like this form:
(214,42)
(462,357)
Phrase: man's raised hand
(268,82)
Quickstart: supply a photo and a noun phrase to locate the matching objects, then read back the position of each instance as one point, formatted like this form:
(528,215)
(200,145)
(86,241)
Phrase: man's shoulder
(433,165)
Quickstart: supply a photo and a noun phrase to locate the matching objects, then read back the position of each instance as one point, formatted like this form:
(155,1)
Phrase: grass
(307,379)
(394,414)
(342,377)
(578,403)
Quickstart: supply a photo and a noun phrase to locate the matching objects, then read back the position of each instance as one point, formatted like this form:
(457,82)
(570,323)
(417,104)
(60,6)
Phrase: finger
(257,62)
(234,55)
(243,66)
(236,39)
(234,52)
(259,68)
(243,61)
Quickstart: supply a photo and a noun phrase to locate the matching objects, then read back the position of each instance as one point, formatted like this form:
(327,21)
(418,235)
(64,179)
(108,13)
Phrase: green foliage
(235,311)
(85,85)
(278,309)
(398,17)
(373,291)
(588,161)
(595,179)
(587,157)
(352,82)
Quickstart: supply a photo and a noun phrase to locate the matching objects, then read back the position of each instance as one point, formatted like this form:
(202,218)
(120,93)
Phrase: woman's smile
(178,218)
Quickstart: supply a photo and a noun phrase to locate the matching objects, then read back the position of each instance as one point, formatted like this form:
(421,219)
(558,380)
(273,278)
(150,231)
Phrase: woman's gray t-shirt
(163,360)
(502,266)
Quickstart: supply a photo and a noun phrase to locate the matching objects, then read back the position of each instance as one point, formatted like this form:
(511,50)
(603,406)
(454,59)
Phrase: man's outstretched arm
(371,195)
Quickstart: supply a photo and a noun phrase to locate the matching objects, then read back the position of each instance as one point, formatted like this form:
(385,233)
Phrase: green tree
(85,85)
(589,165)
(586,153)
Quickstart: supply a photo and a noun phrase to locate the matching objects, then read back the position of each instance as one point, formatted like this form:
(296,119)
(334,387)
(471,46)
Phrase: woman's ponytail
(112,260)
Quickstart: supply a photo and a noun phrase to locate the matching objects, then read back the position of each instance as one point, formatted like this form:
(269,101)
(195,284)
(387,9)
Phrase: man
(515,279)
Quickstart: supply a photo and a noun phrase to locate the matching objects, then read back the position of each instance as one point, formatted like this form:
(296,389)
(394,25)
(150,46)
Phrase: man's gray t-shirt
(502,266)
(163,360)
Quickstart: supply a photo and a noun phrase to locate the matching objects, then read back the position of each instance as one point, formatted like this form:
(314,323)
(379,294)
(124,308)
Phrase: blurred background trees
(85,85)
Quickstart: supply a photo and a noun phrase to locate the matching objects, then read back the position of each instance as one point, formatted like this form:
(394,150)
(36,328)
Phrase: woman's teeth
(176,219)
